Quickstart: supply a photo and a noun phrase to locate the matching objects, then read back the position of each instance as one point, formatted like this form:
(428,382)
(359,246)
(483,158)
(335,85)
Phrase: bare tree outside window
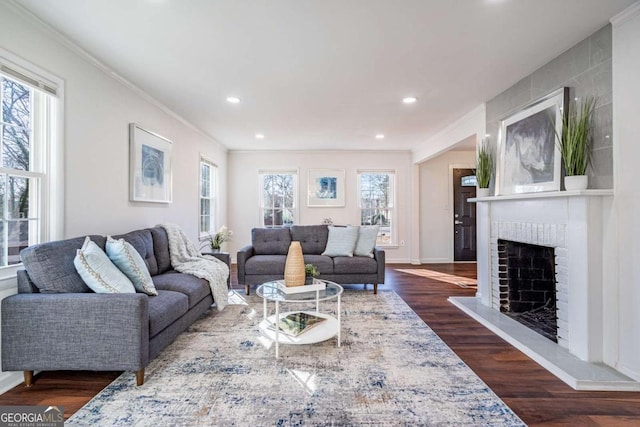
(16,131)
(377,203)
(278,199)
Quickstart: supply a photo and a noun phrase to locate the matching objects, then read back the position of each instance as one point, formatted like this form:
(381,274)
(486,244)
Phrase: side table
(224,257)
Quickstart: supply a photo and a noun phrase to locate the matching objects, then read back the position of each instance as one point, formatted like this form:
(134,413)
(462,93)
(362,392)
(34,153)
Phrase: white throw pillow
(129,261)
(341,241)
(98,272)
(367,238)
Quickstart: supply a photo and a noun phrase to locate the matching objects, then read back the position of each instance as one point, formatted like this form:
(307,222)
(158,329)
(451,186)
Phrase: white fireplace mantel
(573,223)
(544,195)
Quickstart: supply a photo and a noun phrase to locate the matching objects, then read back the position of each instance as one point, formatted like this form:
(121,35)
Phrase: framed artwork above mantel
(528,157)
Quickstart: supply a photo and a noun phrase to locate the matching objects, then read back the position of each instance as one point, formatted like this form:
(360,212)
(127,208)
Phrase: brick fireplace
(554,249)
(527,286)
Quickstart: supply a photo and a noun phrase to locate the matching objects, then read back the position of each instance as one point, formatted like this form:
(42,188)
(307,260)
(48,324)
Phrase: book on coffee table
(296,323)
(317,285)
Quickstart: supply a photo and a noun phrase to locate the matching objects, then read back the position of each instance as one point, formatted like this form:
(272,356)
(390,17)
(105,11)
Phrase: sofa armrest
(75,331)
(243,255)
(379,256)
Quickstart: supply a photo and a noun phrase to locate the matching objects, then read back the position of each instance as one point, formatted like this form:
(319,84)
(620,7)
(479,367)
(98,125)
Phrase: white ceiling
(324,74)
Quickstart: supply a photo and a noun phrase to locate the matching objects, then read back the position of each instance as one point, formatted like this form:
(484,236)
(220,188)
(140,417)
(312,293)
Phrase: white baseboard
(397,261)
(436,261)
(9,380)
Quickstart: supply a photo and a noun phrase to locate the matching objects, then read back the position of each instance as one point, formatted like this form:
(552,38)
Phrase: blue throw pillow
(341,241)
(129,261)
(98,272)
(367,238)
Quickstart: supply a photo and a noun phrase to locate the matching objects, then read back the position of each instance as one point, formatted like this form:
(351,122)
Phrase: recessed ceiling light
(259,136)
(233,99)
(379,136)
(409,99)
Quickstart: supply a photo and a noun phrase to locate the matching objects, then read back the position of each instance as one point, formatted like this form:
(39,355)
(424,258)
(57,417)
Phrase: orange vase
(294,266)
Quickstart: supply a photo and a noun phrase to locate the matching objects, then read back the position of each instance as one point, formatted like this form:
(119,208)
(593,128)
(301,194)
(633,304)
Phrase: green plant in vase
(214,241)
(484,168)
(310,272)
(575,143)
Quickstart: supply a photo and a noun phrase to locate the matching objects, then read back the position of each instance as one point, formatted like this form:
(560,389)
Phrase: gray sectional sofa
(264,259)
(56,322)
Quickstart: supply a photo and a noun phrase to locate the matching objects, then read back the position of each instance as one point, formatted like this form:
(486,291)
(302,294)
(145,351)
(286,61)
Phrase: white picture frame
(529,159)
(149,166)
(326,188)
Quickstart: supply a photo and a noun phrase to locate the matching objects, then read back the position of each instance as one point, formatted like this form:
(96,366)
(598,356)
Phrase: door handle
(457,222)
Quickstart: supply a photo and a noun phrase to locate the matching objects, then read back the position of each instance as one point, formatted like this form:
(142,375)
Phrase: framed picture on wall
(528,157)
(149,166)
(326,188)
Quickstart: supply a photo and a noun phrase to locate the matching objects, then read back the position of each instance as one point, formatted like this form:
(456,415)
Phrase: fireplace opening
(528,286)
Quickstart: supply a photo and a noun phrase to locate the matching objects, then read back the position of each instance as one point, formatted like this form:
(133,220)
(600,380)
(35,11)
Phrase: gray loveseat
(265,257)
(56,322)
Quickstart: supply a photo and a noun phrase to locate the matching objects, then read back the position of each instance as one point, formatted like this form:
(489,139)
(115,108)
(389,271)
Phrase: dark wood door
(464,215)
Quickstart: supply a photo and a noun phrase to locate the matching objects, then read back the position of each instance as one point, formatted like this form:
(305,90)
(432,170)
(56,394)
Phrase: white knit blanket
(186,258)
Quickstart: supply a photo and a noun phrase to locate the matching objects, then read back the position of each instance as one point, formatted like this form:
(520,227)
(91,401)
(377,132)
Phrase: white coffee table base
(321,332)
(328,329)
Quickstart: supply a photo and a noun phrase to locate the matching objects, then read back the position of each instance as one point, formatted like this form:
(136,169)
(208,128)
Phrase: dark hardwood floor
(538,397)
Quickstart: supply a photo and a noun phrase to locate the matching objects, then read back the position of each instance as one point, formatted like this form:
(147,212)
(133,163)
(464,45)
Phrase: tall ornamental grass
(576,139)
(484,164)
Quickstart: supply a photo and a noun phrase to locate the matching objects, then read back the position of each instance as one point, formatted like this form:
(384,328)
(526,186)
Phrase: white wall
(243,189)
(436,204)
(97,112)
(626,128)
(471,124)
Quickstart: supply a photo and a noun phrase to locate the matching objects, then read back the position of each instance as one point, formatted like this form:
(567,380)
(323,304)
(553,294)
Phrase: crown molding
(626,14)
(319,151)
(85,55)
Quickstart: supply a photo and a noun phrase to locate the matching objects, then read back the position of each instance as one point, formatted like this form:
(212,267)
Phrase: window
(278,191)
(23,136)
(377,190)
(208,195)
(31,158)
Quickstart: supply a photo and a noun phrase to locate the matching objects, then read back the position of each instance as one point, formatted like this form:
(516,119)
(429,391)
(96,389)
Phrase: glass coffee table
(326,329)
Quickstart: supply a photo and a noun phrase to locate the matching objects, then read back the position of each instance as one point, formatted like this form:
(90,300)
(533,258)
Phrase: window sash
(207,196)
(278,195)
(377,205)
(21,222)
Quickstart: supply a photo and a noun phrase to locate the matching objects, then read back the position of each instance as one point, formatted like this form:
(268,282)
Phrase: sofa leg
(28,378)
(375,288)
(247,289)
(140,377)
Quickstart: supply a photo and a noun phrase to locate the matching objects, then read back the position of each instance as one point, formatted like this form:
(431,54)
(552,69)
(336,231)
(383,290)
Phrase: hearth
(571,226)
(527,284)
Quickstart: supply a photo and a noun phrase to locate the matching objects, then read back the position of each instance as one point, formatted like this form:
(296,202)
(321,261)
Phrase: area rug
(391,370)
(463,282)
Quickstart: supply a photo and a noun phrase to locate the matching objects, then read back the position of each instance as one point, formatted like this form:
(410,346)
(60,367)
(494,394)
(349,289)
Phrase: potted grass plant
(575,143)
(484,168)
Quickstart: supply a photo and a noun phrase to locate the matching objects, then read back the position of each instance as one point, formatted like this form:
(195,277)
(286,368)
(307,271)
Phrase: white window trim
(394,224)
(215,195)
(52,185)
(296,192)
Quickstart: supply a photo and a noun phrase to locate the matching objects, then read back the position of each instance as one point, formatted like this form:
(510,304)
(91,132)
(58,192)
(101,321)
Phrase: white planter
(576,182)
(482,192)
